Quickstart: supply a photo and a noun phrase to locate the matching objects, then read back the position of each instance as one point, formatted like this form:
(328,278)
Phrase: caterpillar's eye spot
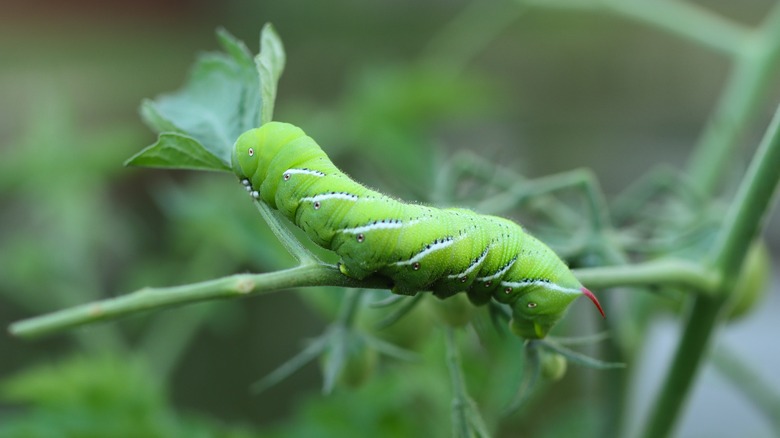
(463,280)
(361,237)
(286,176)
(531,305)
(255,194)
(317,205)
(508,290)
(251,152)
(248,188)
(416,266)
(245,182)
(488,283)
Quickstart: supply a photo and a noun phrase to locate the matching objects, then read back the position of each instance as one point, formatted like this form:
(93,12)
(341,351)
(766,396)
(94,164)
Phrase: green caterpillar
(419,248)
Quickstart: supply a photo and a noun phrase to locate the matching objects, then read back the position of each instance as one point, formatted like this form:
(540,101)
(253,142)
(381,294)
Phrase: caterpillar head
(255,149)
(539,288)
(245,159)
(540,303)
(536,312)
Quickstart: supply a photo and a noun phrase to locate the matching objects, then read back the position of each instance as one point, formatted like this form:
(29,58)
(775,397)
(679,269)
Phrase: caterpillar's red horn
(593,298)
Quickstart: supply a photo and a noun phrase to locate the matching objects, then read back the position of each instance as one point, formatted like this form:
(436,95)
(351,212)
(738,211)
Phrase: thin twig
(234,286)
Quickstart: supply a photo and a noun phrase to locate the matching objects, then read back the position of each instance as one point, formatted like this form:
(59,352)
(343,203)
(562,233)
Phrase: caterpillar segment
(419,248)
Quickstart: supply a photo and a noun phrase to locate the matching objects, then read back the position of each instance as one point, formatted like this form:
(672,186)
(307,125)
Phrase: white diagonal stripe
(547,284)
(429,249)
(325,196)
(304,172)
(379,225)
(500,272)
(474,265)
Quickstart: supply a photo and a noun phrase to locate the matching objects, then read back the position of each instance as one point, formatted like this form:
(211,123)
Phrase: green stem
(460,423)
(582,179)
(745,90)
(685,19)
(742,224)
(756,55)
(468,163)
(660,272)
(468,34)
(234,286)
(164,353)
(349,306)
(751,205)
(294,246)
(664,272)
(466,420)
(696,336)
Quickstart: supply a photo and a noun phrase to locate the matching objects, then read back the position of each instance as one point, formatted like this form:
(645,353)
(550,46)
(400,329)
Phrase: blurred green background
(551,91)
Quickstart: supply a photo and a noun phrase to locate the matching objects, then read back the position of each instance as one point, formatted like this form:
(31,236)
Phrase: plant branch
(660,272)
(742,223)
(687,20)
(234,286)
(294,246)
(684,19)
(695,339)
(751,205)
(466,420)
(756,55)
(739,102)
(469,33)
(349,307)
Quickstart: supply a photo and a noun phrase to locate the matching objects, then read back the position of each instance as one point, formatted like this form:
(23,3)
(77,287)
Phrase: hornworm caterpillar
(417,247)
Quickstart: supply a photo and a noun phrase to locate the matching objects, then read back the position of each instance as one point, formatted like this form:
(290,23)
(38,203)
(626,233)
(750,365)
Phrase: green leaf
(177,151)
(155,120)
(270,64)
(225,95)
(235,47)
(220,100)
